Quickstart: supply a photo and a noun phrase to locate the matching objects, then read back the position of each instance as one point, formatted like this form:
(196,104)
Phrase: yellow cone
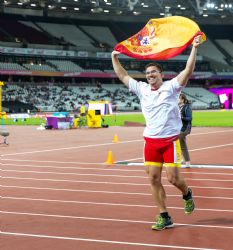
(115,139)
(110,158)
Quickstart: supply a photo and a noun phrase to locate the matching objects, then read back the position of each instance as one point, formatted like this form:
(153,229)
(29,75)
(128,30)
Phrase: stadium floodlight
(136,13)
(131,4)
(119,12)
(42,3)
(51,7)
(97,10)
(210,5)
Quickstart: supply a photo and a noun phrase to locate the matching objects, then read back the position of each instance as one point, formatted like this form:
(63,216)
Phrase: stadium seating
(40,67)
(69,98)
(69,33)
(65,66)
(20,32)
(101,34)
(11,66)
(75,45)
(202,98)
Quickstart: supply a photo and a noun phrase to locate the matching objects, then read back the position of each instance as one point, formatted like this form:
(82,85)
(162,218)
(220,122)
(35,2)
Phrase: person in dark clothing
(186,117)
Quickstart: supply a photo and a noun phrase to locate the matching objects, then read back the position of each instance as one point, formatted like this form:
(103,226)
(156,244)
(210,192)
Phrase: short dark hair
(158,66)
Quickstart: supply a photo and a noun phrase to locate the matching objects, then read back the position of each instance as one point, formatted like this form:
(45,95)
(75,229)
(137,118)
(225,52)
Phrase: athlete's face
(154,77)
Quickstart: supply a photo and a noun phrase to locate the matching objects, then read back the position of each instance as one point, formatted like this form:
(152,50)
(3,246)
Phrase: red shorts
(165,151)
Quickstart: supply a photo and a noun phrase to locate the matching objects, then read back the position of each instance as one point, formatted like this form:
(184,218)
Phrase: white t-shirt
(159,107)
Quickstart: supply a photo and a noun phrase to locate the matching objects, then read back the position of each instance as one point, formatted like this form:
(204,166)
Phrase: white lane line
(107,219)
(69,148)
(112,143)
(105,175)
(104,182)
(103,241)
(191,150)
(212,132)
(69,173)
(217,146)
(106,203)
(191,166)
(59,162)
(108,192)
(113,169)
(77,168)
(62,162)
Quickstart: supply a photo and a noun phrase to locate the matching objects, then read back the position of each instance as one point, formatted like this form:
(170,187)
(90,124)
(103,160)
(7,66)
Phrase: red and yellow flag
(161,38)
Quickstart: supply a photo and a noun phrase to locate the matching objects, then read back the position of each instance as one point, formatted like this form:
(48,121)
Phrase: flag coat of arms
(161,39)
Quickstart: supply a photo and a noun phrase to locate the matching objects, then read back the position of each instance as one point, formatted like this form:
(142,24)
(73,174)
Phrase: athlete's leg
(172,158)
(154,173)
(153,161)
(174,177)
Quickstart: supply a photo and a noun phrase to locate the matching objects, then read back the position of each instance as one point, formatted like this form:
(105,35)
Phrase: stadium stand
(102,34)
(202,98)
(11,66)
(66,66)
(69,33)
(209,50)
(19,32)
(72,59)
(40,67)
(68,98)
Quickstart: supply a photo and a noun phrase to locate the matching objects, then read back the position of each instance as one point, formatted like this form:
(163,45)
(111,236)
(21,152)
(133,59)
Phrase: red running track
(58,194)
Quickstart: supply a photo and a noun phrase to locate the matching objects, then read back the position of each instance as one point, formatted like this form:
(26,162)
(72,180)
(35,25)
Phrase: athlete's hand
(115,53)
(197,41)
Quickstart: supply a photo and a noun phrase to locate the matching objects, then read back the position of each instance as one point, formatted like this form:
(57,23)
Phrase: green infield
(220,118)
(28,121)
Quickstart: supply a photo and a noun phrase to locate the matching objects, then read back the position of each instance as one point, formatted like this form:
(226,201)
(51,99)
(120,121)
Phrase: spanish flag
(161,39)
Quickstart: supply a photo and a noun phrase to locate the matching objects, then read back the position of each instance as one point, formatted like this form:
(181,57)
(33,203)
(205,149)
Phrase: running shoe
(189,204)
(162,223)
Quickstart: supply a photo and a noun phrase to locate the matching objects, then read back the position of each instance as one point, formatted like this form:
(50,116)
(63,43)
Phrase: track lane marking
(106,175)
(102,182)
(71,148)
(103,241)
(107,219)
(112,169)
(107,192)
(106,203)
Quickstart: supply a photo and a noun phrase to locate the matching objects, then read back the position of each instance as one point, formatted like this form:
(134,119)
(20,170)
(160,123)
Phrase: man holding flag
(159,104)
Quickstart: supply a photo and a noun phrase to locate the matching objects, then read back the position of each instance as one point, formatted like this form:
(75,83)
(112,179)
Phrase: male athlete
(159,104)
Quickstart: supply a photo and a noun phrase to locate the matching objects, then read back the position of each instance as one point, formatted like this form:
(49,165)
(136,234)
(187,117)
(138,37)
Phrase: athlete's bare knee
(173,179)
(155,180)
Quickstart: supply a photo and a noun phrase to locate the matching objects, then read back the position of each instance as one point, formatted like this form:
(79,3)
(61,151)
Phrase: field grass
(221,118)
(200,118)
(28,121)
